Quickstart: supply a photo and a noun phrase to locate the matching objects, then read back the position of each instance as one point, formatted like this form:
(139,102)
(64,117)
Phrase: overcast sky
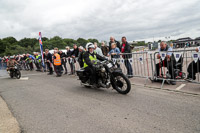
(135,19)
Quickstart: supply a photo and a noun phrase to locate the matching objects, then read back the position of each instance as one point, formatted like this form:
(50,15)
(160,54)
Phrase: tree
(82,42)
(56,42)
(2,48)
(10,40)
(69,42)
(93,40)
(45,39)
(28,42)
(10,46)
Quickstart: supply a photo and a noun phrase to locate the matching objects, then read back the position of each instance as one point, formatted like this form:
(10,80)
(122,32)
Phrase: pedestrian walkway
(185,87)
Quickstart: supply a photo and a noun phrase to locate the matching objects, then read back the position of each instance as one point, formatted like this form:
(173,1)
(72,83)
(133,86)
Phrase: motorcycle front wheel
(121,83)
(18,74)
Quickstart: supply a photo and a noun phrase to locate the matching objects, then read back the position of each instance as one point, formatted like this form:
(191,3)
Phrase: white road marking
(24,78)
(180,87)
(31,74)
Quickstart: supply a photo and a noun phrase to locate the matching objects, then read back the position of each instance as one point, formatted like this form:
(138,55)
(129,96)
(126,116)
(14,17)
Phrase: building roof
(198,38)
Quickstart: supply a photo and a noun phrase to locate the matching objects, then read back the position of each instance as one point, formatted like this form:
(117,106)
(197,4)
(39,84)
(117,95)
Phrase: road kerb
(8,124)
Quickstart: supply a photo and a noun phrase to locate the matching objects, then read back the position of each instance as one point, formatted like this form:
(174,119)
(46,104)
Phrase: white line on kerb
(180,87)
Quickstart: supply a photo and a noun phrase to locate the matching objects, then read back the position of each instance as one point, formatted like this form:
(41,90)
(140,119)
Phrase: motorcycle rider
(89,59)
(11,64)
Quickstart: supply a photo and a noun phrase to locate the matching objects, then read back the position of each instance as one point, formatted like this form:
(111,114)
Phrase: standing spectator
(112,40)
(68,55)
(48,60)
(75,52)
(25,62)
(30,59)
(80,57)
(63,61)
(104,49)
(4,61)
(74,56)
(114,52)
(38,61)
(57,63)
(126,50)
(97,49)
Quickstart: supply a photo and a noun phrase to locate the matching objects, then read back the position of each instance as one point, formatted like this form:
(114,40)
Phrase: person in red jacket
(126,50)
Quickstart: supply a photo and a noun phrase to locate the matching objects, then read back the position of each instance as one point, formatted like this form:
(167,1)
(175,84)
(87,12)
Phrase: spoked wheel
(18,74)
(121,83)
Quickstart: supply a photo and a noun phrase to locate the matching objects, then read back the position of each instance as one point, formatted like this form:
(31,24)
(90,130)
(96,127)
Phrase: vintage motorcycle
(14,71)
(107,75)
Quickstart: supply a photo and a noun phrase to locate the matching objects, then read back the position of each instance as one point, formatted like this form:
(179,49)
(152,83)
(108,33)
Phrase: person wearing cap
(90,59)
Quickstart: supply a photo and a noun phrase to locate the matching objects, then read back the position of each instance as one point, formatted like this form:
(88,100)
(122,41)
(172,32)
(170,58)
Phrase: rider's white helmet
(89,45)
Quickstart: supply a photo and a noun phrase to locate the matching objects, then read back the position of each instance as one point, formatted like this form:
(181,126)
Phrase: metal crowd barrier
(144,65)
(141,63)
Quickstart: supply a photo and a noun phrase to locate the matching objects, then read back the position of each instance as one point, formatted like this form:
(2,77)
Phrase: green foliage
(28,42)
(69,42)
(93,40)
(10,46)
(141,43)
(82,42)
(10,40)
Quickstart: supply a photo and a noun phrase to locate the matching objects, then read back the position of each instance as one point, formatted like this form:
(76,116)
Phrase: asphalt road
(49,104)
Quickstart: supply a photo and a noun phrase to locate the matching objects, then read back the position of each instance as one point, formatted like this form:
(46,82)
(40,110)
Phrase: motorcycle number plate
(109,65)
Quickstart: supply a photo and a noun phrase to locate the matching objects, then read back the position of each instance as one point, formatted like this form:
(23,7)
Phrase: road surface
(49,104)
